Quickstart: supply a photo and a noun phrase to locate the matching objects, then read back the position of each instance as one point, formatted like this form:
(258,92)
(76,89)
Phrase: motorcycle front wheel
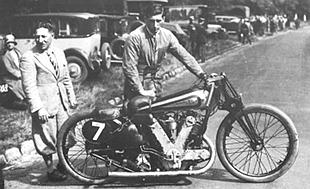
(74,155)
(257,163)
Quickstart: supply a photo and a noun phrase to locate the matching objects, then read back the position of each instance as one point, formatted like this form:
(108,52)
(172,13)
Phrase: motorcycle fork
(249,129)
(207,114)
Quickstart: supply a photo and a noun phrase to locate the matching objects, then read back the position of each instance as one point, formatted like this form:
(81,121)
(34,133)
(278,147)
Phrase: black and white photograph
(154,94)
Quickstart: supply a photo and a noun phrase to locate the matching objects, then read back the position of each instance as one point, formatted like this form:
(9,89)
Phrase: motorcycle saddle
(110,113)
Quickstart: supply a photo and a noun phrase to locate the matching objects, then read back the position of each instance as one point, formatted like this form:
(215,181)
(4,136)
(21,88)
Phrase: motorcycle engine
(172,122)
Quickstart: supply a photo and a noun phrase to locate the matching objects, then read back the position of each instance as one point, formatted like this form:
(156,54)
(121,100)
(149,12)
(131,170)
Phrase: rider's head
(152,14)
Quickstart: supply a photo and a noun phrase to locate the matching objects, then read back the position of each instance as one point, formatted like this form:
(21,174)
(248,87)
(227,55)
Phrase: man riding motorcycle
(145,49)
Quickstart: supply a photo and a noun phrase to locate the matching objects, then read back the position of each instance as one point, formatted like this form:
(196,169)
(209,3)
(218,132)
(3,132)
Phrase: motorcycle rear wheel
(72,152)
(263,163)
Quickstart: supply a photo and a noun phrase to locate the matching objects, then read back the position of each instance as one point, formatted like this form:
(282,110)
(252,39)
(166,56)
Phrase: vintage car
(180,14)
(230,23)
(77,34)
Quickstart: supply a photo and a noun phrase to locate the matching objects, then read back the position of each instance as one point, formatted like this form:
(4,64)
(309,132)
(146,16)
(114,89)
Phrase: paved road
(274,71)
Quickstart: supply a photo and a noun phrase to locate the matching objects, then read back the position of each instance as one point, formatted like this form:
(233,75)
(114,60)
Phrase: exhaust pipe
(169,173)
(3,162)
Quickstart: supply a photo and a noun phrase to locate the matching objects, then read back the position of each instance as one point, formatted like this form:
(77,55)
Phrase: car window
(24,26)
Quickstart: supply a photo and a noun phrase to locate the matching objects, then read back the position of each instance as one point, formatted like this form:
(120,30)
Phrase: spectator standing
(273,25)
(11,74)
(297,23)
(191,29)
(245,31)
(201,40)
(48,88)
(281,23)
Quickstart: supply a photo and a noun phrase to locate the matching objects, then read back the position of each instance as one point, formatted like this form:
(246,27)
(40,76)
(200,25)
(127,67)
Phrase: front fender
(79,53)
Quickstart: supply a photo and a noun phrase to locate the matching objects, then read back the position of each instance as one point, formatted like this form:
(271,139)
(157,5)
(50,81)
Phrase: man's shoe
(61,168)
(56,176)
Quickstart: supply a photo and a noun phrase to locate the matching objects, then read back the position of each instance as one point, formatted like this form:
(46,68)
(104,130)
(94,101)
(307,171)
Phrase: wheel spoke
(76,155)
(242,140)
(270,159)
(277,132)
(268,125)
(246,162)
(277,150)
(85,164)
(261,164)
(238,153)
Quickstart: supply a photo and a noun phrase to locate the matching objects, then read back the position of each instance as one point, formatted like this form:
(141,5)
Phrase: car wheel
(106,54)
(77,69)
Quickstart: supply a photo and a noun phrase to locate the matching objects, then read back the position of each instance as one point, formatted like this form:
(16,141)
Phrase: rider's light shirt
(142,49)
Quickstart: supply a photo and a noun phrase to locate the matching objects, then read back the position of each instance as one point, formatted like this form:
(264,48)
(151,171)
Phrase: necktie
(52,59)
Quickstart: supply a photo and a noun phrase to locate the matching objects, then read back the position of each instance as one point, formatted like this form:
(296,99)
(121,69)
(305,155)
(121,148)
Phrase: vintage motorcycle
(166,137)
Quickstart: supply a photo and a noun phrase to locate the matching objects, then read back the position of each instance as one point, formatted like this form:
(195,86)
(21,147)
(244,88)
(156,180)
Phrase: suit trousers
(45,134)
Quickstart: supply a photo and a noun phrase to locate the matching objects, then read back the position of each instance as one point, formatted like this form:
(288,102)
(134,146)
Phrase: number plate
(4,88)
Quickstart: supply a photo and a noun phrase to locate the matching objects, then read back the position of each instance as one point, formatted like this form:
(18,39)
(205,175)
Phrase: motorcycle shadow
(218,175)
(212,174)
(36,175)
(145,182)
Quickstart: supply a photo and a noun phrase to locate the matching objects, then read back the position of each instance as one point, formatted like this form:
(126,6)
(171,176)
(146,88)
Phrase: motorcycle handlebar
(213,78)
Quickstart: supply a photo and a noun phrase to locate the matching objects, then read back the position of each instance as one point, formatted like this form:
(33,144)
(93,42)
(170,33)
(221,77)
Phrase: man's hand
(73,105)
(150,93)
(203,76)
(43,115)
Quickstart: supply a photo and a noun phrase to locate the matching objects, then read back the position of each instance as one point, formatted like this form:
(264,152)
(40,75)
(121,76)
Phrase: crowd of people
(246,30)
(273,23)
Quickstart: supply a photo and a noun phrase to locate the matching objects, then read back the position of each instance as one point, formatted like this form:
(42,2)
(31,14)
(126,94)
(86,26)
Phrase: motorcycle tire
(73,154)
(263,163)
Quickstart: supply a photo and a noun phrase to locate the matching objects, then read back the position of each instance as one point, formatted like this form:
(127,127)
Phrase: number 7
(100,126)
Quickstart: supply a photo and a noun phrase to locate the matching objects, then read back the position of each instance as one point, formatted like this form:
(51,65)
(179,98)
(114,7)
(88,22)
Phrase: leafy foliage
(289,7)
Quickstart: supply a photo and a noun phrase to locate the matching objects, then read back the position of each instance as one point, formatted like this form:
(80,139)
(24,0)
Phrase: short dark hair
(48,25)
(151,9)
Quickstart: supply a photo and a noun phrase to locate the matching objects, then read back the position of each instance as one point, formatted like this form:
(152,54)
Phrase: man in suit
(49,91)
(11,75)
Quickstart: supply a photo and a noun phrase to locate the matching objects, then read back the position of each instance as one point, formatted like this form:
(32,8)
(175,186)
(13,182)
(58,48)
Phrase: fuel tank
(186,99)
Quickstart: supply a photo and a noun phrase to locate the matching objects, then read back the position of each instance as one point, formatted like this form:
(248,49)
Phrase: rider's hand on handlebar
(150,93)
(203,76)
